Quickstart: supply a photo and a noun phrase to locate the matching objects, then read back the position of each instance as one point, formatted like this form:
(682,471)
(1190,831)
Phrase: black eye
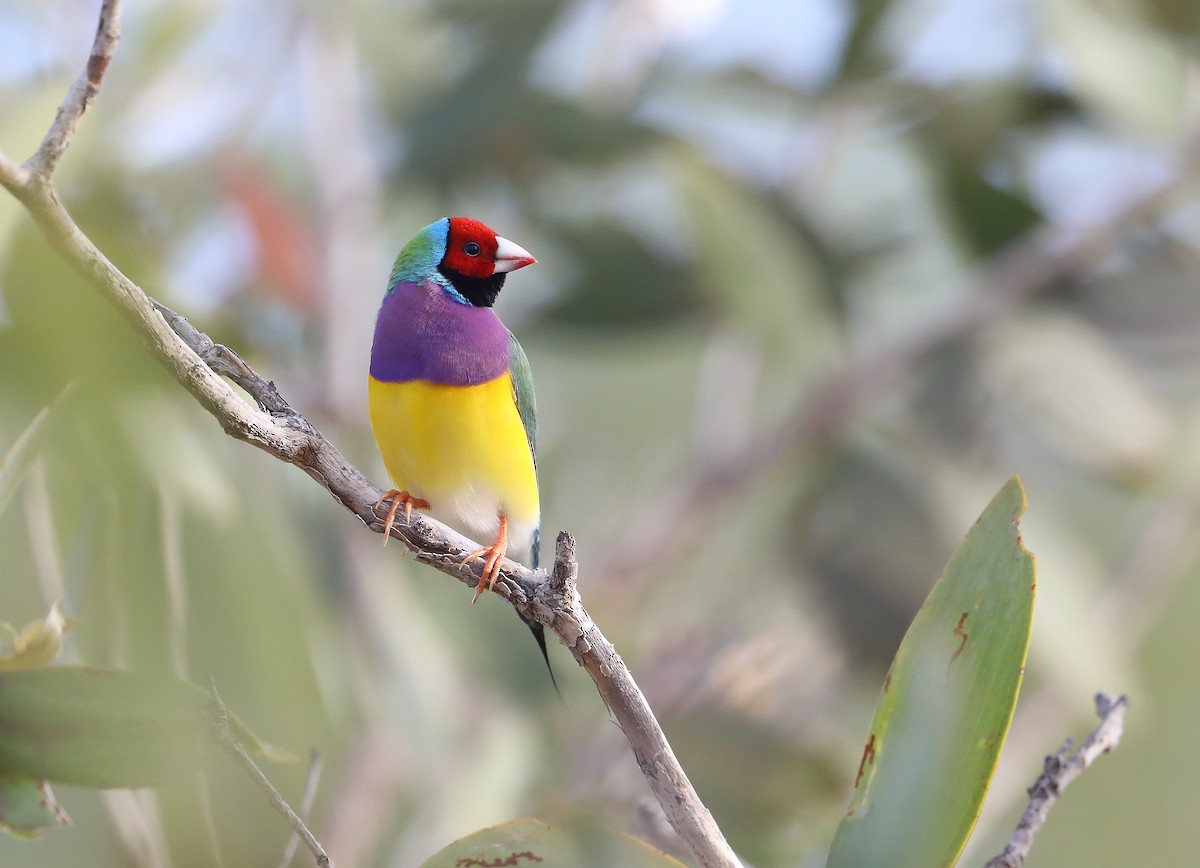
(471,248)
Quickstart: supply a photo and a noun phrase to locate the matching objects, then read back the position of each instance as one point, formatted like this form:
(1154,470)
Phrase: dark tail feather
(538,631)
(539,636)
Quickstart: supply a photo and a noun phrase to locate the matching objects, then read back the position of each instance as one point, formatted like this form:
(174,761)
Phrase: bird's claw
(399,497)
(491,568)
(493,556)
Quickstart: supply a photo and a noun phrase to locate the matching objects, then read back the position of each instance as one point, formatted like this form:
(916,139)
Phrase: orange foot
(397,498)
(492,555)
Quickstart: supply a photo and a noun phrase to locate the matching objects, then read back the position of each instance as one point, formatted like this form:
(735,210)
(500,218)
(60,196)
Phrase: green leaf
(755,267)
(946,704)
(532,842)
(105,728)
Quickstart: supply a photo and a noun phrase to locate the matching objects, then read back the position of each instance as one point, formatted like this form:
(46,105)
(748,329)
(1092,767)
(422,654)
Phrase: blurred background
(734,204)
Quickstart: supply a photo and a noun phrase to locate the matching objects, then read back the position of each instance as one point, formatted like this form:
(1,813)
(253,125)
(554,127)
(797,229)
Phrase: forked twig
(1060,770)
(219,717)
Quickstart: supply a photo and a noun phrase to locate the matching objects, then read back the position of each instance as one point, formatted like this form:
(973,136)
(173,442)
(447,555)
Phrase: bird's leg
(398,498)
(492,555)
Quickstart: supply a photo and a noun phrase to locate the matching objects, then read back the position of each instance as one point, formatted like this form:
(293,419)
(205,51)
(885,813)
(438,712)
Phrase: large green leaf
(531,841)
(105,728)
(946,704)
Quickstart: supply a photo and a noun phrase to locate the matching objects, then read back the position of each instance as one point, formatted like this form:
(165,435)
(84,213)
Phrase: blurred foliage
(104,728)
(728,201)
(27,804)
(15,463)
(532,841)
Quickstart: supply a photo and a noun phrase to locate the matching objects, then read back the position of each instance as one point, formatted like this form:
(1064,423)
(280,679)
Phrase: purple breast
(423,334)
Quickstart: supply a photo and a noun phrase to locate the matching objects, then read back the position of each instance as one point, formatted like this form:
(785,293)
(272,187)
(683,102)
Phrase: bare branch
(226,362)
(575,628)
(1060,770)
(13,175)
(219,716)
(108,32)
(20,179)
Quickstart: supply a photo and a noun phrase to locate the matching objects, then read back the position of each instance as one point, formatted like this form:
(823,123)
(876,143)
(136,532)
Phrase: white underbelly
(475,513)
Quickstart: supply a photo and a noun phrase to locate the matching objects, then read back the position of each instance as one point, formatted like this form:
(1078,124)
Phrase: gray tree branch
(1059,771)
(198,364)
(54,144)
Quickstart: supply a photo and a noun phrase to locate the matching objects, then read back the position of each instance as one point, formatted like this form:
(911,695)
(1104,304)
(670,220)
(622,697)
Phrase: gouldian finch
(451,396)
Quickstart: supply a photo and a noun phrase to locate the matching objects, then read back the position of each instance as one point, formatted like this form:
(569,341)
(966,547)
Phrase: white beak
(510,257)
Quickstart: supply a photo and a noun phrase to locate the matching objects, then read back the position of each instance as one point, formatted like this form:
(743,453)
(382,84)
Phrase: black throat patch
(479,291)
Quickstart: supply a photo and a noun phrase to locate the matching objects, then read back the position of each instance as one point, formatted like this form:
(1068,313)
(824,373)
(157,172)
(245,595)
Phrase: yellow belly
(463,449)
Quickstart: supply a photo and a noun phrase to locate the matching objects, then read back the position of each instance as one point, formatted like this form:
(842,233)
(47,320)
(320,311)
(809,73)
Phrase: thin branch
(226,362)
(13,175)
(315,765)
(79,97)
(1060,770)
(679,800)
(219,716)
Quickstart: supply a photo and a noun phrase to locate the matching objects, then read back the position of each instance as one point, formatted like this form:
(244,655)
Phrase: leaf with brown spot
(942,716)
(867,757)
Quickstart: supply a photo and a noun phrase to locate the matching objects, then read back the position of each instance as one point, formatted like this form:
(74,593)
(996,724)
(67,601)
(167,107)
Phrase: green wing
(522,381)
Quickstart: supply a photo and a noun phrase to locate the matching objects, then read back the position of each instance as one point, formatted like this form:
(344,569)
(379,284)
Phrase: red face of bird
(475,251)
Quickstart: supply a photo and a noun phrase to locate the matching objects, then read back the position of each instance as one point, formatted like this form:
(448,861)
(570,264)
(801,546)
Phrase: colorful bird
(451,395)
